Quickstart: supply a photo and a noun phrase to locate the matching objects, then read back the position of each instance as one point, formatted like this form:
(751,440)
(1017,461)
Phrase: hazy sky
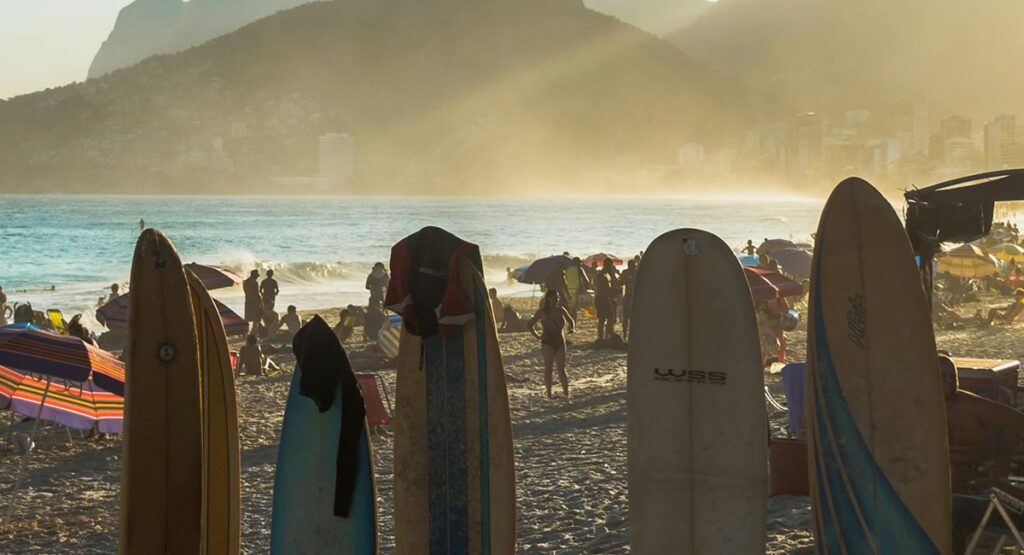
(44,43)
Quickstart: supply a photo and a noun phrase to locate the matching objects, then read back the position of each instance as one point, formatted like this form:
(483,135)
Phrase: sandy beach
(570,456)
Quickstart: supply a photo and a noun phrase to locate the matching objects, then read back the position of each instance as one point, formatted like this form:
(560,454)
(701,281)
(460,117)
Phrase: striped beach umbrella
(213,277)
(43,353)
(966,261)
(114,315)
(1007,252)
(81,406)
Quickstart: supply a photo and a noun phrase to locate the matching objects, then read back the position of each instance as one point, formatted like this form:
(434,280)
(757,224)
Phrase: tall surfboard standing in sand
(879,460)
(324,496)
(221,493)
(162,468)
(454,475)
(695,393)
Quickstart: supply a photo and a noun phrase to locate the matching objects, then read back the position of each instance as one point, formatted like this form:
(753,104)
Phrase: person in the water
(553,317)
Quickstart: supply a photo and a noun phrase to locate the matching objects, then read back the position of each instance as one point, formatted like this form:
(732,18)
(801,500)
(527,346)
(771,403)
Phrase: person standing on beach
(253,302)
(627,279)
(497,309)
(556,282)
(142,225)
(269,290)
(605,285)
(377,283)
(553,317)
(576,282)
(3,307)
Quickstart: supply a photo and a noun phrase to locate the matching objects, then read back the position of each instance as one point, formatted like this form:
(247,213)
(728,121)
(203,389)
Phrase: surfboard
(697,434)
(221,494)
(878,455)
(307,497)
(162,466)
(454,475)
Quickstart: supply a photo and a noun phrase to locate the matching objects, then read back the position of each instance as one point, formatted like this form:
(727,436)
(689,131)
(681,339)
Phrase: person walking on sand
(553,317)
(253,303)
(269,290)
(627,279)
(377,283)
(605,285)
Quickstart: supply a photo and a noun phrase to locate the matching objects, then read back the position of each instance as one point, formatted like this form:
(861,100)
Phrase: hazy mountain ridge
(148,27)
(439,96)
(843,55)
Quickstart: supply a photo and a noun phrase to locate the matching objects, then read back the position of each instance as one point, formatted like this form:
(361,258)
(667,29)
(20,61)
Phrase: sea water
(321,249)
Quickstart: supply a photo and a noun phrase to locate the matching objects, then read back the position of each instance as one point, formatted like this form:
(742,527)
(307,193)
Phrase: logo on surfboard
(856,323)
(690,376)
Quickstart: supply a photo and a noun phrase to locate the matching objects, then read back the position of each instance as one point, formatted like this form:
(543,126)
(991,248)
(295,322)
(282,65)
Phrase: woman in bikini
(553,317)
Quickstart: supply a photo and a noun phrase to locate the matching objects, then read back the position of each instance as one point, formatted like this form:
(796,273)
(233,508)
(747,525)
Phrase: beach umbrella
(771,245)
(766,285)
(795,263)
(43,353)
(114,315)
(213,277)
(1007,252)
(600,258)
(81,406)
(539,270)
(966,261)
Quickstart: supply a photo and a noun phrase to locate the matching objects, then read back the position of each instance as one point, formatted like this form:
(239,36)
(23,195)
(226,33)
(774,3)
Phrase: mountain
(820,55)
(439,96)
(148,27)
(660,17)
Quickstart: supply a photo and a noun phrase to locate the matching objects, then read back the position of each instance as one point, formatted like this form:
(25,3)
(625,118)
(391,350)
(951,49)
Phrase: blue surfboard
(305,508)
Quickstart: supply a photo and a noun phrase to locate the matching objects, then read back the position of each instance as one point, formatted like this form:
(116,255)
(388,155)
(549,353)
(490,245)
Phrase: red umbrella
(766,285)
(213,277)
(600,257)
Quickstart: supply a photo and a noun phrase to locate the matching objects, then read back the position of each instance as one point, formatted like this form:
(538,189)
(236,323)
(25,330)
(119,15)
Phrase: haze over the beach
(510,98)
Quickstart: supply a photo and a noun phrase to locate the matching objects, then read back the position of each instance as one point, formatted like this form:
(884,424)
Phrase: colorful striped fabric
(82,406)
(114,315)
(213,277)
(40,352)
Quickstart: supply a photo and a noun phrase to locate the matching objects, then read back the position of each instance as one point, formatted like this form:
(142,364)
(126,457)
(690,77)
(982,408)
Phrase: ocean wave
(299,272)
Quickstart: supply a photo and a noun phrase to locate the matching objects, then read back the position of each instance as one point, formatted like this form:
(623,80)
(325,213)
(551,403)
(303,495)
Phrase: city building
(1001,149)
(809,141)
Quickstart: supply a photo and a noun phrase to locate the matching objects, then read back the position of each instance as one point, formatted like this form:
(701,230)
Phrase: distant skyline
(49,43)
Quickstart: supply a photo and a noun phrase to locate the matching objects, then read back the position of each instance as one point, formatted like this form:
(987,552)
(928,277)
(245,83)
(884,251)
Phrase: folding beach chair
(56,318)
(376,414)
(1002,502)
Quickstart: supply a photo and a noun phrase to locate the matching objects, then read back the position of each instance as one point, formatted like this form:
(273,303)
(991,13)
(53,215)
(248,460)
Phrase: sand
(570,457)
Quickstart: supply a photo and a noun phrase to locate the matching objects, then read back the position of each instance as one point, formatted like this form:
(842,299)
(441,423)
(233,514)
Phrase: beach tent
(966,261)
(957,211)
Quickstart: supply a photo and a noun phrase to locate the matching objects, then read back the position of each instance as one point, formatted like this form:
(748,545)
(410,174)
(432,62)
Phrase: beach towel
(425,287)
